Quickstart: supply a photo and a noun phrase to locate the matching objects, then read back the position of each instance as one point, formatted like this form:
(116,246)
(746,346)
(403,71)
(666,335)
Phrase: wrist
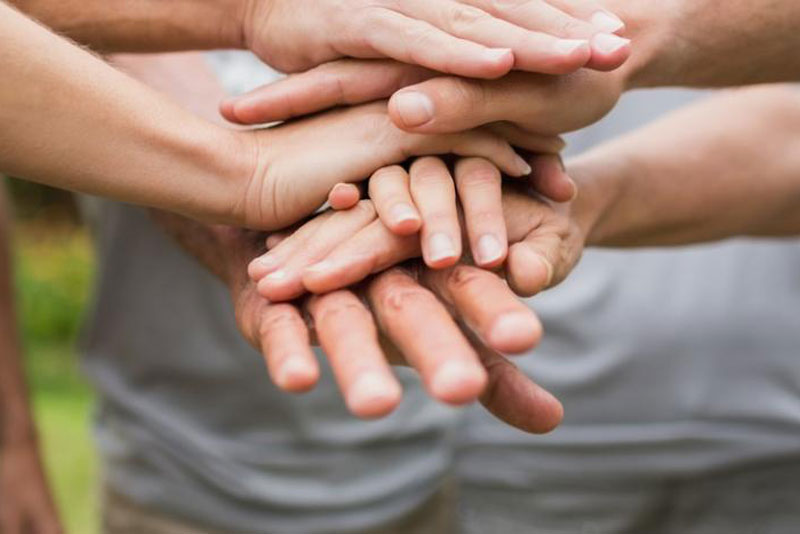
(656,47)
(600,182)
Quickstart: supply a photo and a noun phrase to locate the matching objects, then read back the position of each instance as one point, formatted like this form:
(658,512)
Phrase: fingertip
(441,251)
(280,285)
(515,333)
(489,252)
(410,109)
(404,219)
(458,383)
(496,63)
(528,272)
(226,109)
(609,51)
(569,56)
(344,196)
(261,267)
(297,375)
(373,395)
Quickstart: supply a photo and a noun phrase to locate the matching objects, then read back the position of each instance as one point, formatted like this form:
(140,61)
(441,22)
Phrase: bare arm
(728,166)
(25,497)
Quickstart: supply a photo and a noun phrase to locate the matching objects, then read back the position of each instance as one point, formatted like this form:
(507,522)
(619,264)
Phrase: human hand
(337,250)
(405,324)
(474,38)
(422,101)
(26,504)
(292,167)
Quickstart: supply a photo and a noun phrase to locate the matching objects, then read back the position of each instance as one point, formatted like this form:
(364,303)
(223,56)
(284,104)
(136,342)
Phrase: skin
(177,161)
(736,149)
(383,319)
(27,504)
(479,38)
(677,42)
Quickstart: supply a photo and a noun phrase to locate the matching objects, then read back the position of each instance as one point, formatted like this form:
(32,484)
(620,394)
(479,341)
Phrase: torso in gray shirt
(671,363)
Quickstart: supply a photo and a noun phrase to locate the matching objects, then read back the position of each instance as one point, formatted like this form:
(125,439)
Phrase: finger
(480,142)
(371,250)
(339,83)
(594,12)
(549,178)
(416,42)
(434,195)
(533,51)
(479,189)
(286,282)
(348,336)
(530,141)
(609,51)
(538,15)
(286,347)
(344,196)
(390,192)
(280,249)
(455,104)
(421,328)
(273,240)
(483,301)
(514,398)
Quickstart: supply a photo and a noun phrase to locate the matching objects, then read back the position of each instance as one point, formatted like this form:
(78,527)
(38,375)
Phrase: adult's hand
(424,101)
(26,504)
(475,38)
(402,322)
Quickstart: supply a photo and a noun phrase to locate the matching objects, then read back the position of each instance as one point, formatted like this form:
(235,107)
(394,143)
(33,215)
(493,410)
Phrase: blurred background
(54,268)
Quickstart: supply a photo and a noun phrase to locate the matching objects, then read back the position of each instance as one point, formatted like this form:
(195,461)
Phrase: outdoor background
(54,268)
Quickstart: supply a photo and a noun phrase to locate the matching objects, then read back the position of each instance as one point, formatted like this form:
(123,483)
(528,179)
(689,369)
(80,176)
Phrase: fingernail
(321,266)
(606,21)
(513,326)
(549,268)
(371,388)
(280,274)
(441,248)
(415,109)
(261,266)
(608,43)
(489,249)
(569,46)
(456,382)
(293,370)
(496,54)
(524,168)
(574,189)
(403,212)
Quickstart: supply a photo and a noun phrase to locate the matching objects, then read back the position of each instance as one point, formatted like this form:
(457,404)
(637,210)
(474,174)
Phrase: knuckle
(279,318)
(397,298)
(463,17)
(463,278)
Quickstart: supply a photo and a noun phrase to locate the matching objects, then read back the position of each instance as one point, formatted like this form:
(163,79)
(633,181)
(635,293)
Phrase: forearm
(15,416)
(707,43)
(143,25)
(71,121)
(728,166)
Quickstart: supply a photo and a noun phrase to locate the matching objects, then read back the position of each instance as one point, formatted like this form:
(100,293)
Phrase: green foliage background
(54,268)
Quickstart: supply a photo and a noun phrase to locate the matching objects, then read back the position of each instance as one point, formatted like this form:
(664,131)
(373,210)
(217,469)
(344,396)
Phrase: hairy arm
(727,166)
(707,43)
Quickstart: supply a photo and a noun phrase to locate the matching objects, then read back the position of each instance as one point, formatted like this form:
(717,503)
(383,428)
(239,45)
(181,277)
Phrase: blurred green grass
(54,269)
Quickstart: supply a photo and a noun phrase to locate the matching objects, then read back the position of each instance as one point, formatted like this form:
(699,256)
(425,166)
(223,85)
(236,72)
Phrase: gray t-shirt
(189,423)
(670,363)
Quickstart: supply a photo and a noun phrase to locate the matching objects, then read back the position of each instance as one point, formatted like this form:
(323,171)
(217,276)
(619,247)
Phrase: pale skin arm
(479,38)
(71,121)
(27,505)
(729,166)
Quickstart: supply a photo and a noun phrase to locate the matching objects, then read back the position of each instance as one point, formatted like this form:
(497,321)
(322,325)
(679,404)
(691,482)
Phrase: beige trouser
(121,516)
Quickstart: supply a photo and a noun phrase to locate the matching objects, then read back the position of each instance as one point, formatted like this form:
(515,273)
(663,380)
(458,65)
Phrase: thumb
(338,83)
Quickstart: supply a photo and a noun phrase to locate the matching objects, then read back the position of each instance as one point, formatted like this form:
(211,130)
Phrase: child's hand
(295,165)
(474,38)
